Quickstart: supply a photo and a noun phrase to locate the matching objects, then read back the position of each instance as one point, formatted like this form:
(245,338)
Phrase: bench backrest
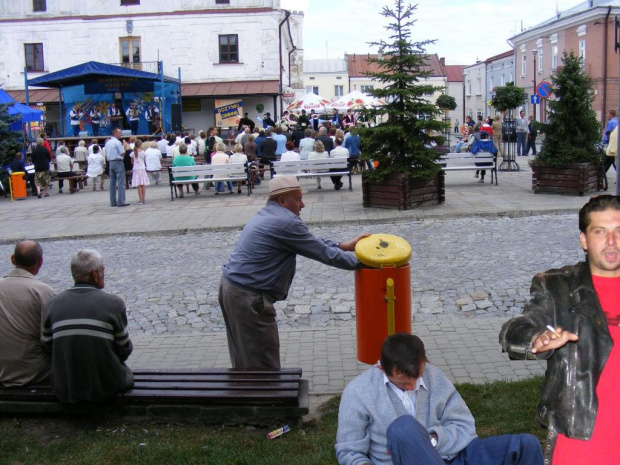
(230,169)
(465,159)
(321,164)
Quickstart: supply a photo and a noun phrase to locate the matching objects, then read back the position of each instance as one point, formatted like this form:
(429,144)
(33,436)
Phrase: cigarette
(552,329)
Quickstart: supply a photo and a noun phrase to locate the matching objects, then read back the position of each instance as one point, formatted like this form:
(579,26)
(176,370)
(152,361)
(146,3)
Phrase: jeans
(521,144)
(409,443)
(133,125)
(76,130)
(117,182)
(219,186)
(459,146)
(95,129)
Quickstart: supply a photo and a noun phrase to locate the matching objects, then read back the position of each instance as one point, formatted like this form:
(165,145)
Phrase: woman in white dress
(139,178)
(239,157)
(96,167)
(152,159)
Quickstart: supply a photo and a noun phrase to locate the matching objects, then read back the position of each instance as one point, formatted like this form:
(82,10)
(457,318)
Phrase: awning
(35,96)
(230,88)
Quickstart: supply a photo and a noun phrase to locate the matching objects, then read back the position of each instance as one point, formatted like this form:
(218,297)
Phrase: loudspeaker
(176,117)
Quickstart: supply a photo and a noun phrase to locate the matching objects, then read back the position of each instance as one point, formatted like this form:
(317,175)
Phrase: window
(34,57)
(229,50)
(130,52)
(554,57)
(582,51)
(491,83)
(338,91)
(468,90)
(222,2)
(39,5)
(523,65)
(502,82)
(129,2)
(479,86)
(540,61)
(312,90)
(367,89)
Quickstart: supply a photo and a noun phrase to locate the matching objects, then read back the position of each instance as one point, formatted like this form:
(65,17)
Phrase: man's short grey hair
(183,149)
(39,141)
(220,147)
(322,130)
(84,262)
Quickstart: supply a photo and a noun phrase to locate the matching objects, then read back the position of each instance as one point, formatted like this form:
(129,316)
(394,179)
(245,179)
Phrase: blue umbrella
(27,114)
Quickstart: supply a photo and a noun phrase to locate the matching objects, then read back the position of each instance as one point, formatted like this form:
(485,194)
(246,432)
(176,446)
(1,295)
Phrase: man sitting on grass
(86,331)
(405,411)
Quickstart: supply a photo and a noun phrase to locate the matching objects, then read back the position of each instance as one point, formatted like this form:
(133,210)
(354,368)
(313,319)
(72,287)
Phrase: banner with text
(228,113)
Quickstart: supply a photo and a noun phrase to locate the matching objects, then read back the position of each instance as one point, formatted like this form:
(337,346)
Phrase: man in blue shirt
(612,122)
(114,152)
(280,140)
(260,271)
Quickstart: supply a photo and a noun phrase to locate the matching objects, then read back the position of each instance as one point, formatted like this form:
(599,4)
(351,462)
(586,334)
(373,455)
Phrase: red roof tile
(223,89)
(359,66)
(454,73)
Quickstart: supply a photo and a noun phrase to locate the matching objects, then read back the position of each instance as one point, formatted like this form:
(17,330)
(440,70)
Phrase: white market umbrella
(355,100)
(309,102)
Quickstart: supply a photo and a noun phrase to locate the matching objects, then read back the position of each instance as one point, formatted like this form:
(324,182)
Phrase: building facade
(500,70)
(454,82)
(588,30)
(244,50)
(328,78)
(474,81)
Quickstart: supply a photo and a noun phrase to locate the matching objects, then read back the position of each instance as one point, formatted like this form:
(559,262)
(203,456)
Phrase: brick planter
(574,179)
(398,191)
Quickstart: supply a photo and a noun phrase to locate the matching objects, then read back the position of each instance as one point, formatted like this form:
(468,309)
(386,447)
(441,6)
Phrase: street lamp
(535,53)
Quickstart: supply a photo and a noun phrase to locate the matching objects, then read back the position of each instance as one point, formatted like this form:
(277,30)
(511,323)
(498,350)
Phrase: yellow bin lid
(383,249)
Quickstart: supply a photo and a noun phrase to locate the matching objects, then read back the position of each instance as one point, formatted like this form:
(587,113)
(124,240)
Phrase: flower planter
(399,191)
(574,179)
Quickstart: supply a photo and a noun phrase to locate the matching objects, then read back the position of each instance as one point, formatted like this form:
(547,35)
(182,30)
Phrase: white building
(328,78)
(222,49)
(474,79)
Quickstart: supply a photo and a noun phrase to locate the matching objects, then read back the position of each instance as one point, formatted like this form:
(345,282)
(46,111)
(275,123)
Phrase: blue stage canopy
(93,72)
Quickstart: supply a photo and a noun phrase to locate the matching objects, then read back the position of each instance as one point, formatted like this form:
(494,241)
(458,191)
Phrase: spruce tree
(572,130)
(10,141)
(402,143)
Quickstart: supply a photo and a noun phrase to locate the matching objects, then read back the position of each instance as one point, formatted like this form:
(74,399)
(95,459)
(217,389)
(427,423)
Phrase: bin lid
(18,173)
(383,249)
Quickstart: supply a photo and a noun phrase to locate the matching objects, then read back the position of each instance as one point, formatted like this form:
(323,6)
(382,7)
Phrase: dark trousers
(61,183)
(521,143)
(133,125)
(251,328)
(95,129)
(531,144)
(76,130)
(409,443)
(607,162)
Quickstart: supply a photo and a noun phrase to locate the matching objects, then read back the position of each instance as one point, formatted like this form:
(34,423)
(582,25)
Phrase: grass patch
(499,408)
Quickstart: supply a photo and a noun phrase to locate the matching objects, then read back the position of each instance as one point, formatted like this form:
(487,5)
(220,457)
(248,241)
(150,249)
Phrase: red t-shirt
(603,446)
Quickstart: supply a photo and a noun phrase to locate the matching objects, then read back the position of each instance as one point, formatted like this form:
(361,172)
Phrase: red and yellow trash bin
(17,185)
(382,293)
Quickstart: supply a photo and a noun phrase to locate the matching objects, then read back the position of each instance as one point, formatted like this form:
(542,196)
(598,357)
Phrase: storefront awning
(231,88)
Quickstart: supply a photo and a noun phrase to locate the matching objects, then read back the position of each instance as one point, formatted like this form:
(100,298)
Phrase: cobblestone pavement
(462,267)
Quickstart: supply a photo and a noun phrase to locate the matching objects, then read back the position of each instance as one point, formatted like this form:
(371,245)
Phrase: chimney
(442,60)
(590,3)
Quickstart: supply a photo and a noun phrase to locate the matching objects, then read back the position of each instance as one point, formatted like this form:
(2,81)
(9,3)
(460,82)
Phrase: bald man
(23,359)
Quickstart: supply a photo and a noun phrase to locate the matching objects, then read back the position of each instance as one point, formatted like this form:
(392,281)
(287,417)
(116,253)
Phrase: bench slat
(211,385)
(226,395)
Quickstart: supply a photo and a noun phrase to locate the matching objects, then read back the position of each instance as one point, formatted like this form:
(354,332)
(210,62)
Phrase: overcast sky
(465,30)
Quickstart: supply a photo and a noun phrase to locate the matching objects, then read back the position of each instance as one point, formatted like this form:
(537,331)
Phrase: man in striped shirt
(86,331)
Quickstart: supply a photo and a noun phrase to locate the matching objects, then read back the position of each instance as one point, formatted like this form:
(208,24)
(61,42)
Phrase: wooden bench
(76,182)
(208,173)
(313,168)
(214,396)
(469,161)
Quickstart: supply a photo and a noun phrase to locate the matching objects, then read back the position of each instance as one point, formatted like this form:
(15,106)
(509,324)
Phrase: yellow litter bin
(17,184)
(382,293)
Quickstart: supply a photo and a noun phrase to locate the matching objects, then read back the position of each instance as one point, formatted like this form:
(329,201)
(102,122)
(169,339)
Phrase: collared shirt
(408,398)
(265,256)
(114,149)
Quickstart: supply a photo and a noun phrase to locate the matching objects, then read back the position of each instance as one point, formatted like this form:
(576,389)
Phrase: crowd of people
(403,410)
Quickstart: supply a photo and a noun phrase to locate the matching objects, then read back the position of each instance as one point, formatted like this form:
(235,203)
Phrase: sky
(465,30)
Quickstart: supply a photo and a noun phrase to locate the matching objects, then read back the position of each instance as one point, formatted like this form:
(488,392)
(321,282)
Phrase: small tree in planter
(508,97)
(446,103)
(571,135)
(403,144)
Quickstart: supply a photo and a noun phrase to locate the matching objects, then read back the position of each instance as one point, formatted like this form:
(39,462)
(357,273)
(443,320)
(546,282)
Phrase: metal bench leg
(350,185)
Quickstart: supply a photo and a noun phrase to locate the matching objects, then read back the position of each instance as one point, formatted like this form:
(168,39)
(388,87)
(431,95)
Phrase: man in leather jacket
(571,321)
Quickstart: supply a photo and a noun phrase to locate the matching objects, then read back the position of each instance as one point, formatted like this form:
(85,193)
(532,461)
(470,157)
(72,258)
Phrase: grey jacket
(564,297)
(368,406)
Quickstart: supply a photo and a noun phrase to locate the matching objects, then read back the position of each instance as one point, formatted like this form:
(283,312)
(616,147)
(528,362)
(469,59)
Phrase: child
(139,178)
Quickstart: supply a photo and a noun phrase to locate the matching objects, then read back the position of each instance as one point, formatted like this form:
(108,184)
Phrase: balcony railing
(148,66)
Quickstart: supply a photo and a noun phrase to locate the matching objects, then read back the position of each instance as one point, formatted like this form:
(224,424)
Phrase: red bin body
(372,309)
